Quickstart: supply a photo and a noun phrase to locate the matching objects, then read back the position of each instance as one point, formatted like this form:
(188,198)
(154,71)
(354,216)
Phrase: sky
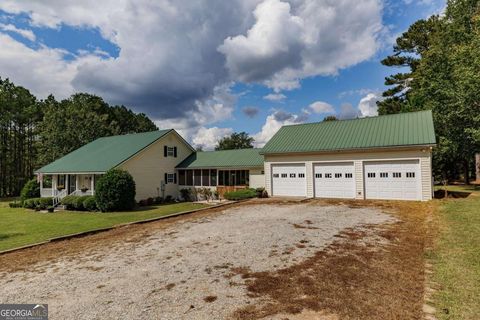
(208,68)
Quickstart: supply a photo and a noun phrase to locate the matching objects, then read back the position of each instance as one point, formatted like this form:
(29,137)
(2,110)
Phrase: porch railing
(59,196)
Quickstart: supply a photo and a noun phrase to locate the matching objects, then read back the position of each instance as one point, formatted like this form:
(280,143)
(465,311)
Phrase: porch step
(60,207)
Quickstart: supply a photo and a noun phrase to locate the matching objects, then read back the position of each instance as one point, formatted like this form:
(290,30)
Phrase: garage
(334,180)
(399,180)
(289,180)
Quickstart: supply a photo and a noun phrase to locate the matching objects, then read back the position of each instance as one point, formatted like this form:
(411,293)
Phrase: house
(160,162)
(384,157)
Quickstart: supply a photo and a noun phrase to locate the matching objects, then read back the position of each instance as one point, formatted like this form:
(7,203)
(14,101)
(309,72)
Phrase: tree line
(35,132)
(440,62)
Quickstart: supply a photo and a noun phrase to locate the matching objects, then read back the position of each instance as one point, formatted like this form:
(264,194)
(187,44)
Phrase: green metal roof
(103,154)
(239,158)
(404,129)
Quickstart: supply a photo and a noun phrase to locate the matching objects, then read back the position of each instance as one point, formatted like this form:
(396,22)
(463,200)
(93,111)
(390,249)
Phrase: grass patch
(21,227)
(456,258)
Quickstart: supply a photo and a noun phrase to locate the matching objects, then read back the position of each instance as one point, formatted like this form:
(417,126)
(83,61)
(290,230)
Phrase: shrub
(29,203)
(115,191)
(89,203)
(43,203)
(38,203)
(168,199)
(240,194)
(30,190)
(78,203)
(150,201)
(15,204)
(158,200)
(261,193)
(68,202)
(186,194)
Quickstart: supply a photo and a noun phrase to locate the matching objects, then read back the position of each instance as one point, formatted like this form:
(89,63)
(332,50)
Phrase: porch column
(92,184)
(76,181)
(67,182)
(54,184)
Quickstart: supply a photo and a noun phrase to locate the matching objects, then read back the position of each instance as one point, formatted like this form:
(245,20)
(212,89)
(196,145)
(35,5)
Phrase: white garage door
(398,180)
(289,180)
(334,180)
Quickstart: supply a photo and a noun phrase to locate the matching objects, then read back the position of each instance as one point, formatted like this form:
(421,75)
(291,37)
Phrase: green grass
(20,227)
(456,257)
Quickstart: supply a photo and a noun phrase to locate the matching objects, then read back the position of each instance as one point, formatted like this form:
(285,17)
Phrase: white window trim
(170,151)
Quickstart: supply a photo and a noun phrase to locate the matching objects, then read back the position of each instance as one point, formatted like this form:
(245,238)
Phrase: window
(47,182)
(318,175)
(189,174)
(284,175)
(348,175)
(61,181)
(338,175)
(276,175)
(206,177)
(371,175)
(292,175)
(213,177)
(221,180)
(197,177)
(328,175)
(397,174)
(383,174)
(301,175)
(238,178)
(170,178)
(410,174)
(182,178)
(244,177)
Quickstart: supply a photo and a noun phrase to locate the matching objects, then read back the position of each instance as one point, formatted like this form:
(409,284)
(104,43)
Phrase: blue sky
(207,68)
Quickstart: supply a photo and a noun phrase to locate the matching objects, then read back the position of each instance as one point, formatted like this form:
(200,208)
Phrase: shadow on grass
(440,194)
(10,235)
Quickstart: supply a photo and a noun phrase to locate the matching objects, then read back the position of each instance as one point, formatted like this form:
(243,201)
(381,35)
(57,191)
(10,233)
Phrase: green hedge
(80,203)
(38,203)
(240,194)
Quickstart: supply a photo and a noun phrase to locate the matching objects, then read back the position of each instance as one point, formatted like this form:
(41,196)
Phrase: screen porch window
(61,181)
(213,177)
(233,177)
(182,178)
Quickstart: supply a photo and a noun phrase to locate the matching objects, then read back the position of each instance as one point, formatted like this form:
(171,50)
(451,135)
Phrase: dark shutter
(175,152)
(166,181)
(175,178)
(164,151)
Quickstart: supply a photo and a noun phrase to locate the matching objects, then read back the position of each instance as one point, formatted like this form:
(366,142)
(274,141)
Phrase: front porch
(61,185)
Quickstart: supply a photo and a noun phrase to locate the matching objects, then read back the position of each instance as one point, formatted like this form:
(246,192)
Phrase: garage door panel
(334,180)
(395,179)
(289,180)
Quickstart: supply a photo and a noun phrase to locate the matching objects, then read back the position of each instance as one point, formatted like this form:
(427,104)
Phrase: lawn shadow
(440,194)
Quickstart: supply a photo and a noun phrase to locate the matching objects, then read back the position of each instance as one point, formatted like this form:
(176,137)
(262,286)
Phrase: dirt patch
(373,273)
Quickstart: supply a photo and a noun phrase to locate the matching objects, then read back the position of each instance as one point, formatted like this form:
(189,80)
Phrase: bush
(15,204)
(115,191)
(38,203)
(89,203)
(158,200)
(186,194)
(78,203)
(150,201)
(240,194)
(30,190)
(261,193)
(68,202)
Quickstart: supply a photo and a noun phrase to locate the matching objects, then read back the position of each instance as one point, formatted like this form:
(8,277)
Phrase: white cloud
(250,111)
(274,122)
(347,111)
(321,107)
(27,34)
(207,138)
(275,97)
(368,105)
(294,40)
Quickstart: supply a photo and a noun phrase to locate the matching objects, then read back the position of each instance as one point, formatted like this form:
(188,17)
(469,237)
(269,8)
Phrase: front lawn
(20,227)
(456,257)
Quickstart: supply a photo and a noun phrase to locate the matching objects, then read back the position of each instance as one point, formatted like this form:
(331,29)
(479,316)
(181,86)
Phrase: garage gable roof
(104,153)
(404,129)
(239,158)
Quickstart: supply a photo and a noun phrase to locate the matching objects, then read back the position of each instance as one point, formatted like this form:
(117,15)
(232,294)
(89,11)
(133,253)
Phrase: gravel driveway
(188,270)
